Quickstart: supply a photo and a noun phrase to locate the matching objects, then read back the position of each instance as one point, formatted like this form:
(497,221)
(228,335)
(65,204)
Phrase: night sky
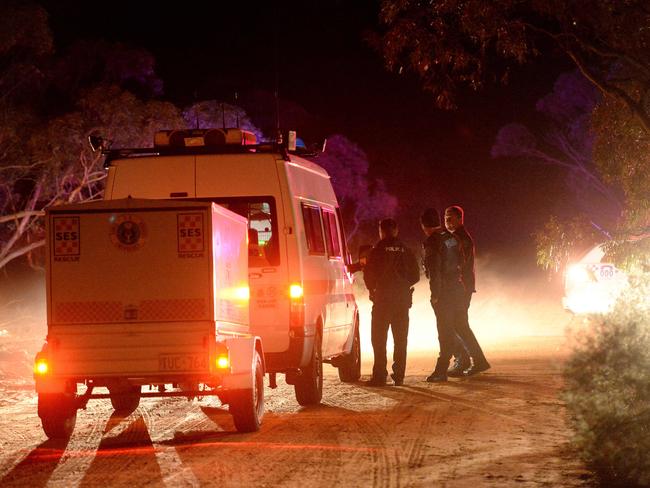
(209,50)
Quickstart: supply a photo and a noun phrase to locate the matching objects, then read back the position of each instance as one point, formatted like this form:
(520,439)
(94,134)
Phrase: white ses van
(301,301)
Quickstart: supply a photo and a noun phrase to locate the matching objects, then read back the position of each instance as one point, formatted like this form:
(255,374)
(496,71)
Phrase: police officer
(389,274)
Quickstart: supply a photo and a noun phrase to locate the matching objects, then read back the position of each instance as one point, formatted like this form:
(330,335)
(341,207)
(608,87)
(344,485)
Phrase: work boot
(375,382)
(436,378)
(439,374)
(459,366)
(477,368)
(397,381)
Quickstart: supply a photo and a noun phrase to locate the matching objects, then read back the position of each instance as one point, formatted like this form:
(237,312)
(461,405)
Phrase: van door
(249,185)
(339,295)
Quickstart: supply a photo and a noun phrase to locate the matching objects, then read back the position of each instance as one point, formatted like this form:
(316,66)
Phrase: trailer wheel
(309,385)
(125,399)
(247,406)
(58,414)
(350,365)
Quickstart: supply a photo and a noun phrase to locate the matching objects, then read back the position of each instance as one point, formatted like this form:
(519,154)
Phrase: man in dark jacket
(444,262)
(468,345)
(389,274)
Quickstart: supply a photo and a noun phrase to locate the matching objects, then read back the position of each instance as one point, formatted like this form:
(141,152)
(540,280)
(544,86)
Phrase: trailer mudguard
(241,351)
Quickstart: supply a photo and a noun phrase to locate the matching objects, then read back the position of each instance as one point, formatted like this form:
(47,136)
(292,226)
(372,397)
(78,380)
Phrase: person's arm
(412,269)
(371,270)
(469,278)
(433,265)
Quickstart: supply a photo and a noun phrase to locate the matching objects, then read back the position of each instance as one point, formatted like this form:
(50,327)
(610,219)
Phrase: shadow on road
(132,449)
(38,466)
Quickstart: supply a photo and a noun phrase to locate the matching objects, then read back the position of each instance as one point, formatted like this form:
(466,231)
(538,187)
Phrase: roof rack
(202,141)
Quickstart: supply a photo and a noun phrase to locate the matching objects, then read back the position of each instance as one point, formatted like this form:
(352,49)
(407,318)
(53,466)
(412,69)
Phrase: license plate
(605,272)
(182,362)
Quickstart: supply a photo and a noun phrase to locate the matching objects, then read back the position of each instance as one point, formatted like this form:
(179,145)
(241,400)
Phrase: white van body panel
(122,310)
(285,187)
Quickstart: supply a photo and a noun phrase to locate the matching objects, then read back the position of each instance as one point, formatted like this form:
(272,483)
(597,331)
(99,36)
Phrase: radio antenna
(236,110)
(196,110)
(276,62)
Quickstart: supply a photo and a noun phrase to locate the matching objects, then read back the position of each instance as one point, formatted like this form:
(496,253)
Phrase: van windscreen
(263,245)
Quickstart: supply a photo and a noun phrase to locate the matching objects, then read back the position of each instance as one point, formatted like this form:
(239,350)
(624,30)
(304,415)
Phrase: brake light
(223,362)
(242,293)
(297,306)
(41,367)
(222,357)
(295,291)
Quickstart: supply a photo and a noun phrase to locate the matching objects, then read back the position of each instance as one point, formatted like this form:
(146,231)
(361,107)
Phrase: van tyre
(247,406)
(58,414)
(309,385)
(350,365)
(125,400)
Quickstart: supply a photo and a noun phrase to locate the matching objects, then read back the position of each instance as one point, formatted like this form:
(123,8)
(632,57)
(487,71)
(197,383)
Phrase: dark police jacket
(390,272)
(443,262)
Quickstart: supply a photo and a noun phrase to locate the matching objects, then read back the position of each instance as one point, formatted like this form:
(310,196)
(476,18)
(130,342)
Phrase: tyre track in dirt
(491,430)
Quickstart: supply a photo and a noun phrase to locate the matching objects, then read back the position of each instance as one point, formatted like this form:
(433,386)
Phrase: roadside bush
(608,391)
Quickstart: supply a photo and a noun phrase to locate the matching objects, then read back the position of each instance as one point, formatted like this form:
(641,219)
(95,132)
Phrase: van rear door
(156,177)
(249,185)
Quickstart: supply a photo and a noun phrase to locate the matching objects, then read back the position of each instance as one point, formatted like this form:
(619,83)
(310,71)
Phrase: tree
(49,105)
(456,44)
(212,113)
(363,199)
(451,44)
(62,168)
(564,139)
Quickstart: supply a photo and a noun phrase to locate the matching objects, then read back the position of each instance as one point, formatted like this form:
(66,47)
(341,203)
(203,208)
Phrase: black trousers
(453,323)
(395,316)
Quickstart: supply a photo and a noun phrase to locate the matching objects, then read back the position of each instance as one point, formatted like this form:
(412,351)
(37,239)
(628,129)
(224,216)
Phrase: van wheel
(309,385)
(125,399)
(58,414)
(247,406)
(350,365)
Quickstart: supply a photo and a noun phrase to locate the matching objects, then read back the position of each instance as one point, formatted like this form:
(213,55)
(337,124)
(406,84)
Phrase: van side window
(331,234)
(313,229)
(263,241)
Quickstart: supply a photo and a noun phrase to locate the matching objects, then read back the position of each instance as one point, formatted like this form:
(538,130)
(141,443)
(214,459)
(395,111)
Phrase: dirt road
(502,428)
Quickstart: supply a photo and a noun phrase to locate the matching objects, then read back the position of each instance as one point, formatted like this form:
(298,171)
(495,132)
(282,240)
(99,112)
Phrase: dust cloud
(515,310)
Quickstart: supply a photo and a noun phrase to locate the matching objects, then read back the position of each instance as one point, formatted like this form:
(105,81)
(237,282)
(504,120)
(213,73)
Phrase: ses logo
(128,232)
(190,235)
(66,239)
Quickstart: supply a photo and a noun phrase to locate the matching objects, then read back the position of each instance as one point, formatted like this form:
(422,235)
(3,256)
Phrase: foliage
(49,104)
(62,167)
(212,113)
(607,391)
(565,140)
(457,44)
(363,199)
(558,242)
(622,155)
(452,44)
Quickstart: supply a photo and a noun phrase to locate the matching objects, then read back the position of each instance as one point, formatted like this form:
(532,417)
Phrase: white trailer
(147,293)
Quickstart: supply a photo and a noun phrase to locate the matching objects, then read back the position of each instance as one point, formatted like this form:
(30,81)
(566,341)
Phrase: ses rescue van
(301,301)
(147,293)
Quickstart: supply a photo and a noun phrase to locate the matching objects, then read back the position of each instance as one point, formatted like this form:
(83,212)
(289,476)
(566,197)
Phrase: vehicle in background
(592,285)
(144,293)
(301,304)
